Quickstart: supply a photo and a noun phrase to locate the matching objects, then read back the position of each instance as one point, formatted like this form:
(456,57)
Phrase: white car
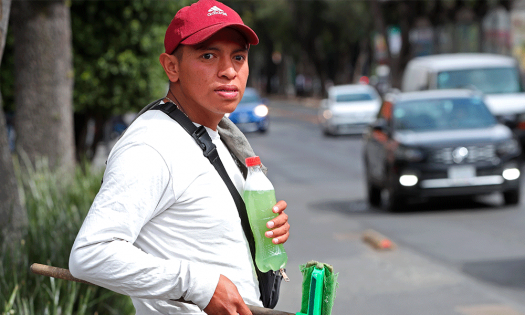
(348,109)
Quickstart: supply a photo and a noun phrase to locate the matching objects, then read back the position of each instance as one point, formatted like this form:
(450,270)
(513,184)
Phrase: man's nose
(227,69)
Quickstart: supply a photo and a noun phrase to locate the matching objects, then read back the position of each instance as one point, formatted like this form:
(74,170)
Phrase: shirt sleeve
(135,180)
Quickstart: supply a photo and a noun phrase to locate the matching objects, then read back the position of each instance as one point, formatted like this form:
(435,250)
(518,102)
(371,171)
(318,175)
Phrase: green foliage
(56,209)
(116,49)
(272,22)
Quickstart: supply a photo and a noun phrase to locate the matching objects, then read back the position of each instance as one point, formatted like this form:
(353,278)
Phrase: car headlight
(408,180)
(511,173)
(327,114)
(261,110)
(508,147)
(409,154)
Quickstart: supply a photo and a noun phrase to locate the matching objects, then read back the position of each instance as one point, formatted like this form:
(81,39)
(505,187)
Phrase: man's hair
(178,53)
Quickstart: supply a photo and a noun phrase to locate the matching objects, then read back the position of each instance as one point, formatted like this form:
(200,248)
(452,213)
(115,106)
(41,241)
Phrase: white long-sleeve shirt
(164,225)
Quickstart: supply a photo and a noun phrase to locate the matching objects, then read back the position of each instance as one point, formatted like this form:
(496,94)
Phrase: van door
(415,78)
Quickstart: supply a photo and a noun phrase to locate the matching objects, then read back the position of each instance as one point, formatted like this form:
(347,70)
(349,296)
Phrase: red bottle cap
(252,161)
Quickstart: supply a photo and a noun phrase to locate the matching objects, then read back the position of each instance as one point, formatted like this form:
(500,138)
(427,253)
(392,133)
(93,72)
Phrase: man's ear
(170,64)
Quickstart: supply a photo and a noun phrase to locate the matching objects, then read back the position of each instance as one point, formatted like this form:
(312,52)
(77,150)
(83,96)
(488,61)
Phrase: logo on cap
(214,10)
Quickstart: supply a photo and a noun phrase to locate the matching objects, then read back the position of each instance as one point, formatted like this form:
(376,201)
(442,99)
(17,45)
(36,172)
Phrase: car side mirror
(507,121)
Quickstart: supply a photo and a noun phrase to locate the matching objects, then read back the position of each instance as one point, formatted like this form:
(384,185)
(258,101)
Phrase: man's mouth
(227,92)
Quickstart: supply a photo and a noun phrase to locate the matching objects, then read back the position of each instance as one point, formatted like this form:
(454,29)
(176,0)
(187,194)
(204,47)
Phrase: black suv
(439,143)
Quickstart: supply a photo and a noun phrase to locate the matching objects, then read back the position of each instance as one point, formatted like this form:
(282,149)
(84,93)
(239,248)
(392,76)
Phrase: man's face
(212,75)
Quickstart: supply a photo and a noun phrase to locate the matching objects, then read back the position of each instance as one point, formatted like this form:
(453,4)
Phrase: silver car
(348,109)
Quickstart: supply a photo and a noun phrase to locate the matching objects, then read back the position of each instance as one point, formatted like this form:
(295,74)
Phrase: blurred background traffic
(406,117)
(306,47)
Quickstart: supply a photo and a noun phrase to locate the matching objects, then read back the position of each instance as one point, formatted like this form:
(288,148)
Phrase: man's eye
(240,58)
(207,56)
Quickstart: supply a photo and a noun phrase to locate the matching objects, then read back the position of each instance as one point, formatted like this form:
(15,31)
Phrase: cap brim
(202,35)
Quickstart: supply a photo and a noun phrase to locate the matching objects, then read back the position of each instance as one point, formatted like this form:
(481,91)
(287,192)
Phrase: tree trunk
(13,218)
(44,82)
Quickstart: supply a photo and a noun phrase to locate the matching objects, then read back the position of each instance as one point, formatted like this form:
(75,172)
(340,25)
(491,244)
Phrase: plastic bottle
(259,197)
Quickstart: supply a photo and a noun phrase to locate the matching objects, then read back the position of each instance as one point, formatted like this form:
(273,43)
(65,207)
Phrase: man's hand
(226,300)
(279,227)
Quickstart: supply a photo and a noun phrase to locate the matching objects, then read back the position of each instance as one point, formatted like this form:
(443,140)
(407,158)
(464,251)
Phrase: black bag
(269,282)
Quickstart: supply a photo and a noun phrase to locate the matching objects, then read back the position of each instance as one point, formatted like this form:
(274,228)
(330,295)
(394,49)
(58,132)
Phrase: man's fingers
(279,226)
(281,239)
(278,221)
(279,206)
(281,230)
(244,310)
(279,235)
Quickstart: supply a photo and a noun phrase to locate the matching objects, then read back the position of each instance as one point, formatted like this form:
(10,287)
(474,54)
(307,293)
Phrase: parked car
(439,143)
(497,76)
(252,112)
(348,109)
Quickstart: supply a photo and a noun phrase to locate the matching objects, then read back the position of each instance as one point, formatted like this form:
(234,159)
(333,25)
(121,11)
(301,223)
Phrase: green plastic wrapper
(329,286)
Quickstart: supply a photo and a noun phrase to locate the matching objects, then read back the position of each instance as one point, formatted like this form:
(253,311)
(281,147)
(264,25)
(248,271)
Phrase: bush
(56,207)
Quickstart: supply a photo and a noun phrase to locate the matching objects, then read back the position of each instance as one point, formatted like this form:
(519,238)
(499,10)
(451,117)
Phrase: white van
(497,76)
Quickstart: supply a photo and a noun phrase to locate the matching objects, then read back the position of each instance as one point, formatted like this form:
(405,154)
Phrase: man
(164,225)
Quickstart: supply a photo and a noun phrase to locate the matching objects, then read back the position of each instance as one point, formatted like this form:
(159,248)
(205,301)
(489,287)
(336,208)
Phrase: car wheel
(374,195)
(511,197)
(263,126)
(395,203)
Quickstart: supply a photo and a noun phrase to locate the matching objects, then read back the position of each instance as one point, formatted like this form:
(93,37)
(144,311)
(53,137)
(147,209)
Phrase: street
(452,256)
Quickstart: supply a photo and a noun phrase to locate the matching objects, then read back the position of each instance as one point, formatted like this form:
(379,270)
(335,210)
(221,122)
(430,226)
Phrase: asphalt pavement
(403,281)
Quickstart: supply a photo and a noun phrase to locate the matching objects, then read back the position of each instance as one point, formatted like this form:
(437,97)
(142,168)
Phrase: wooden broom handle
(61,273)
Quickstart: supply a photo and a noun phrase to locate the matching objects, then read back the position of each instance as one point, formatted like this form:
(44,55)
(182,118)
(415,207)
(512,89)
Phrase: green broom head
(319,286)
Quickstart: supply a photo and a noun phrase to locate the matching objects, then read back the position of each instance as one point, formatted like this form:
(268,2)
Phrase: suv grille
(485,153)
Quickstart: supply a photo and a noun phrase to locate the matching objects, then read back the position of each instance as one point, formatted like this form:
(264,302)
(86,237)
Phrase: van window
(356,97)
(489,81)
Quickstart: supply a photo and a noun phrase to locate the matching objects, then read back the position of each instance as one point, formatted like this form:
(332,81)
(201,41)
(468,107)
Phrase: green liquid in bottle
(259,204)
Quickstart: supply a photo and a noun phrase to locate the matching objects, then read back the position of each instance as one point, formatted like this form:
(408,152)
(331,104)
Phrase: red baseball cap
(196,23)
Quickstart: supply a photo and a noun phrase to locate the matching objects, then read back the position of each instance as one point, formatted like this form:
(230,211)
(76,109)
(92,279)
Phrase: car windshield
(341,98)
(489,81)
(442,114)
(250,98)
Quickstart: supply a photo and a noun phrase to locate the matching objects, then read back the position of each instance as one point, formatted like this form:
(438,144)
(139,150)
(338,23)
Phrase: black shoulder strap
(209,150)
